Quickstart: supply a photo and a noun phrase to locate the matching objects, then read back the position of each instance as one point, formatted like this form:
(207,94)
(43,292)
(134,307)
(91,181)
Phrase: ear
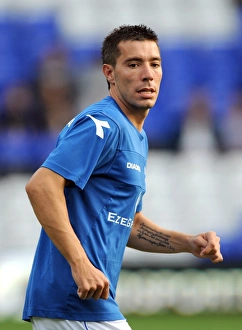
(108,72)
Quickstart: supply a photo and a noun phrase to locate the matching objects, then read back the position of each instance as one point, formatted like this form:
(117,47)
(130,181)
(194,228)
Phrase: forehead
(146,49)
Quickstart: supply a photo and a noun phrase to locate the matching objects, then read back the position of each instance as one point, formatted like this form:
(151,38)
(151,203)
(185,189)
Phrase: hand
(91,282)
(207,245)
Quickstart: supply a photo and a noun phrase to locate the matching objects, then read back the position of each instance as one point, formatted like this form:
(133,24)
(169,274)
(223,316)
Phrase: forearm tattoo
(154,237)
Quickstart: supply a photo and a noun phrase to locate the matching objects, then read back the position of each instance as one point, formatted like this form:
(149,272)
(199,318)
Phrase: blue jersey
(104,155)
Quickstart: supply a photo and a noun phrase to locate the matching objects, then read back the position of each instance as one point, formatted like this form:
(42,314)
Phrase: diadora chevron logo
(99,126)
(70,122)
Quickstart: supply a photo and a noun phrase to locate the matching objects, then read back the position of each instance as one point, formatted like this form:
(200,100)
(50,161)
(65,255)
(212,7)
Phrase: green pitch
(195,322)
(163,321)
(14,325)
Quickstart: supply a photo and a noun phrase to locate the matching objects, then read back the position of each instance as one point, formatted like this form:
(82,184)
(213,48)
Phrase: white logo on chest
(133,166)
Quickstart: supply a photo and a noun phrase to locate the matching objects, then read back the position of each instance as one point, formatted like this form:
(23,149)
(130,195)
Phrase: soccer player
(88,193)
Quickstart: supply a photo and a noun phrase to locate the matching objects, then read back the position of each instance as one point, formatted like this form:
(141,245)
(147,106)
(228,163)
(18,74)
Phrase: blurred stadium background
(50,70)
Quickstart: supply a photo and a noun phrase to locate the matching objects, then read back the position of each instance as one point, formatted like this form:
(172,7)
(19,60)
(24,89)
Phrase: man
(88,197)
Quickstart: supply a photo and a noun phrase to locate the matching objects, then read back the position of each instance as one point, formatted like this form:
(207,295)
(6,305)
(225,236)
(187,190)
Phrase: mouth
(146,91)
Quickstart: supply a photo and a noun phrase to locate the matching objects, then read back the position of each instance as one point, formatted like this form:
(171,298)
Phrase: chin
(148,104)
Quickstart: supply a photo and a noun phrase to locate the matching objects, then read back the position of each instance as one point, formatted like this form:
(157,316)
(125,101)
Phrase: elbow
(34,188)
(28,188)
(31,189)
(44,183)
(36,183)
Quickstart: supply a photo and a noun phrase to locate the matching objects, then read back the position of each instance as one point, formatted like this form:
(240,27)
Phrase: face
(135,80)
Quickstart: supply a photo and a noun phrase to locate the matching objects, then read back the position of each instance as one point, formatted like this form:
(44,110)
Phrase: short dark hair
(110,50)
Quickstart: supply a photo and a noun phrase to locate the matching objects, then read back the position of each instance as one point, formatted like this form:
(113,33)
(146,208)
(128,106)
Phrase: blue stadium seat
(38,35)
(10,66)
(23,151)
(223,74)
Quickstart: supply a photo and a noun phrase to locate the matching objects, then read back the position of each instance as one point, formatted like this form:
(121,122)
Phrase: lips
(146,90)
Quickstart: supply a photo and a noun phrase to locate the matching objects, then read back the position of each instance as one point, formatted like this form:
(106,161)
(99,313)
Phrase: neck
(137,118)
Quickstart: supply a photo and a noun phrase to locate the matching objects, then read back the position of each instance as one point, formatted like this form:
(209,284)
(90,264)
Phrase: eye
(133,65)
(155,65)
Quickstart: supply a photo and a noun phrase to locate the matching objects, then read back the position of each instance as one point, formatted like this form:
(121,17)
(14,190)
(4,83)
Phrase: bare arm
(46,194)
(149,237)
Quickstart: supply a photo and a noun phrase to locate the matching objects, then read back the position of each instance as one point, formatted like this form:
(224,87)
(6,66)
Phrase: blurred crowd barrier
(147,291)
(185,292)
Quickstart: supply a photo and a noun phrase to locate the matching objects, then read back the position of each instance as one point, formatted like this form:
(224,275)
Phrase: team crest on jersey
(99,126)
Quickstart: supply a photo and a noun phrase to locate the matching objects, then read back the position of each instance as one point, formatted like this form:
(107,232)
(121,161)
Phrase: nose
(147,72)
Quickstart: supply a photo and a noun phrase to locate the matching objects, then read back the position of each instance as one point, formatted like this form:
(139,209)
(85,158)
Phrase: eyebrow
(139,59)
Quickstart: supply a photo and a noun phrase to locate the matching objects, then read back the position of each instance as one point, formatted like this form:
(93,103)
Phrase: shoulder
(99,119)
(104,113)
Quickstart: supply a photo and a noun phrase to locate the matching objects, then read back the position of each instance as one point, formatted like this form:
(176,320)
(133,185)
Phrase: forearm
(49,205)
(149,237)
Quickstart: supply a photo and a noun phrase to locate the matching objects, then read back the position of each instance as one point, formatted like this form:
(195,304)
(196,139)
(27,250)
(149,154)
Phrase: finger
(90,294)
(82,294)
(217,258)
(105,292)
(214,255)
(205,238)
(208,250)
(211,248)
(97,294)
(102,292)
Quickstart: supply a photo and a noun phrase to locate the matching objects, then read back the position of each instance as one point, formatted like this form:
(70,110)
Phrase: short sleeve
(82,146)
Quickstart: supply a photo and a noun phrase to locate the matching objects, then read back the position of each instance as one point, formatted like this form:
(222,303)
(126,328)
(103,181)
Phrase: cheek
(124,85)
(160,76)
(123,77)
(124,80)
